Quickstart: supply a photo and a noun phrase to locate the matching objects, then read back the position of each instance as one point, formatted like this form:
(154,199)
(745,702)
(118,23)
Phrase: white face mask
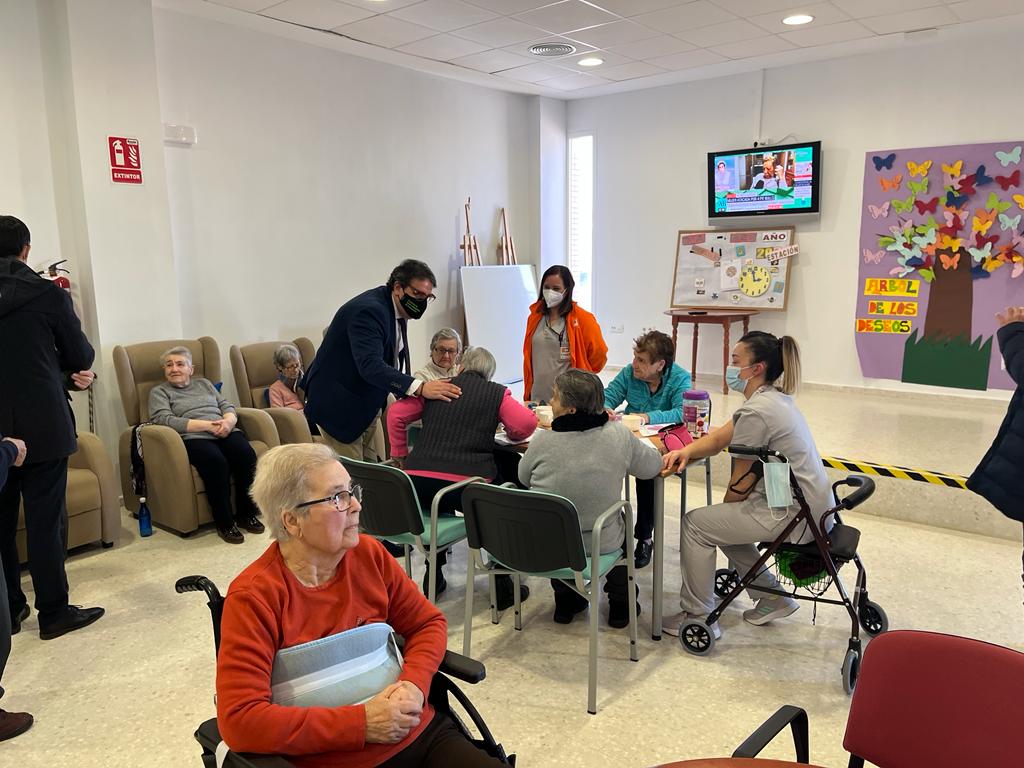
(552,298)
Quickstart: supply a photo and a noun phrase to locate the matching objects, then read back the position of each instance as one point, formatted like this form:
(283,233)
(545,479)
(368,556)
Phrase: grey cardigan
(174,406)
(587,468)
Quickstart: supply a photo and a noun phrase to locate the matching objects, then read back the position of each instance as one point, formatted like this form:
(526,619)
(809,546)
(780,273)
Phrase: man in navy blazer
(365,356)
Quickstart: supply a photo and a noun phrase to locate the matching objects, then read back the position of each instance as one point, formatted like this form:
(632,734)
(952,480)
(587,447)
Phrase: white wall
(651,161)
(316,172)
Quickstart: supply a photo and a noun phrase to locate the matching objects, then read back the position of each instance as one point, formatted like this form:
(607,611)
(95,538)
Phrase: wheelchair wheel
(726,580)
(873,619)
(696,637)
(851,669)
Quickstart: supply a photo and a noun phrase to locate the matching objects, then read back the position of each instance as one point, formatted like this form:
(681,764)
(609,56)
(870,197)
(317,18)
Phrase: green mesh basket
(800,569)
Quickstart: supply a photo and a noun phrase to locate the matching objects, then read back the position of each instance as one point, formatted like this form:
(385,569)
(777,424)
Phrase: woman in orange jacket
(559,335)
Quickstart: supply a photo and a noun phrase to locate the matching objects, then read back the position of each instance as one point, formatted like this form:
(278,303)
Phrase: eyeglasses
(445,352)
(342,500)
(419,294)
(292,367)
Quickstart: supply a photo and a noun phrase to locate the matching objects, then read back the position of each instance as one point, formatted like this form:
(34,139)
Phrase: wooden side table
(697,318)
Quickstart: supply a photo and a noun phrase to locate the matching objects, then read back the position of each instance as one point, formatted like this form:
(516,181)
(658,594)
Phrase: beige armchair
(253,367)
(94,511)
(176,496)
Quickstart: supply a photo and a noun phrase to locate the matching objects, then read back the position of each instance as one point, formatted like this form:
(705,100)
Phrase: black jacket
(1000,475)
(8,454)
(41,343)
(352,373)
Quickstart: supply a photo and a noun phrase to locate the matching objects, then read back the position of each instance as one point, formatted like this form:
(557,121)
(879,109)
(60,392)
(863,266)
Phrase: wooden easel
(506,246)
(470,249)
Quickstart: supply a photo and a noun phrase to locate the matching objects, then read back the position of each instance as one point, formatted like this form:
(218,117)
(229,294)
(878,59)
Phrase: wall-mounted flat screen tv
(765,181)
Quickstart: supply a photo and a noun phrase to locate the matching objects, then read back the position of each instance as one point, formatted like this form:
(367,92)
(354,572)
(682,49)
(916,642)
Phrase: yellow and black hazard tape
(900,473)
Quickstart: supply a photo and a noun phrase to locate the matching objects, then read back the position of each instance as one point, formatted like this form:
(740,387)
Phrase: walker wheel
(851,670)
(873,618)
(726,580)
(696,637)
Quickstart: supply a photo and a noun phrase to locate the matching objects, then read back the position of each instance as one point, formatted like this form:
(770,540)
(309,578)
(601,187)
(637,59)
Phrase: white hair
(176,351)
(480,360)
(282,481)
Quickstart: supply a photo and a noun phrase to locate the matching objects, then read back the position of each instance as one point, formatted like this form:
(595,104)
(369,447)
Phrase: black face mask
(413,307)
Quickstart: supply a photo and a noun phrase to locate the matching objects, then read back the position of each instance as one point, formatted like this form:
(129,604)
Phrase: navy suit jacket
(352,374)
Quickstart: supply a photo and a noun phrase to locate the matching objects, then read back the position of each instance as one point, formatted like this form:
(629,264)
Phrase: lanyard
(559,334)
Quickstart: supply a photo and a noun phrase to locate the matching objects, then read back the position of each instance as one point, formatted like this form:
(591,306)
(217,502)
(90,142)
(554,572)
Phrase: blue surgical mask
(732,377)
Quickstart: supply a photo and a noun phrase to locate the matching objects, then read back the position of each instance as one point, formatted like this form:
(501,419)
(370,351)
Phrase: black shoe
(618,614)
(251,524)
(231,535)
(74,617)
(505,596)
(16,621)
(642,554)
(441,585)
(565,612)
(13,724)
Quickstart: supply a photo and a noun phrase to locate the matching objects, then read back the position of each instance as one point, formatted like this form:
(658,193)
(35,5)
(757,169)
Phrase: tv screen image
(764,180)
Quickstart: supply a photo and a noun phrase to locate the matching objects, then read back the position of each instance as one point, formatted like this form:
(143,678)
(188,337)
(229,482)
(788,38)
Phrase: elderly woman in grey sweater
(584,458)
(207,423)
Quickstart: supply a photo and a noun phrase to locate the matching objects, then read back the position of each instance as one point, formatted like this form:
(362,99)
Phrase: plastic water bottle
(145,519)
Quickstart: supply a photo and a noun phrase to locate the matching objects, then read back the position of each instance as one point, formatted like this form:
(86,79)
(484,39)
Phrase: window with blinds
(580,210)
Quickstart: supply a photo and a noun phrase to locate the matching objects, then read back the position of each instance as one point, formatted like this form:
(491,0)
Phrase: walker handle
(763,452)
(864,486)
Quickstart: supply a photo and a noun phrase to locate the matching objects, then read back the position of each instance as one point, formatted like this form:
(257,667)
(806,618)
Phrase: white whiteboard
(497,301)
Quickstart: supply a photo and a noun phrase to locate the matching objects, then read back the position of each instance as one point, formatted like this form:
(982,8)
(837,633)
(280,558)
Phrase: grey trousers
(367,447)
(733,528)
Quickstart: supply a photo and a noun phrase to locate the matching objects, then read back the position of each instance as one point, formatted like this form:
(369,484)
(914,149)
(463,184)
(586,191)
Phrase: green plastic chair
(538,534)
(391,512)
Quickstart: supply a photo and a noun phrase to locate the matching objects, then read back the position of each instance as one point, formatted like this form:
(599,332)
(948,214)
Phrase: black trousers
(615,584)
(442,745)
(5,629)
(217,462)
(42,487)
(428,487)
(643,529)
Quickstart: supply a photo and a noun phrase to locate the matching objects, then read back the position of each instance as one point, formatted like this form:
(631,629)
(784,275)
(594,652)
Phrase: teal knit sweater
(665,406)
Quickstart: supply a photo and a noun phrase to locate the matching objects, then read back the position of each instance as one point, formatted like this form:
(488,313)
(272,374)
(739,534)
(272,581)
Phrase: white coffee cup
(544,415)
(633,421)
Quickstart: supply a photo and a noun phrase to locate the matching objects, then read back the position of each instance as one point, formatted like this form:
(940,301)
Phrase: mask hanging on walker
(776,485)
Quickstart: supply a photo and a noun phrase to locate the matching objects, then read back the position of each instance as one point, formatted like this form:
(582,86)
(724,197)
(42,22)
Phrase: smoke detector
(552,49)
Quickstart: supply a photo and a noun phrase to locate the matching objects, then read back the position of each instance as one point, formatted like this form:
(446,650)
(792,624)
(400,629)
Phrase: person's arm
(160,413)
(597,350)
(400,415)
(276,396)
(366,340)
(749,429)
(1011,341)
(12,454)
(711,444)
(519,421)
(644,459)
(529,460)
(74,352)
(616,390)
(673,393)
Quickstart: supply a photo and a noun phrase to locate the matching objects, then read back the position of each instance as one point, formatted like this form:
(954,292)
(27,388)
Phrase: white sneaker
(768,609)
(670,624)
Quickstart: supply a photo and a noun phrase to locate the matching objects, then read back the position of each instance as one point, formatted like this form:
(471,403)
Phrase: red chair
(925,699)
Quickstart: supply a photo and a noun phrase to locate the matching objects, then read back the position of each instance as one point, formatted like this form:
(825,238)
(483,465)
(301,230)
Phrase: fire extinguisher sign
(125,160)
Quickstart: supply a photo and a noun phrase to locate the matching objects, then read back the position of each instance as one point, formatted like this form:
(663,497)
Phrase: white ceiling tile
(925,18)
(859,9)
(762,46)
(500,32)
(652,47)
(491,61)
(607,35)
(719,34)
(566,16)
(833,33)
(508,7)
(631,71)
(252,6)
(385,31)
(974,10)
(442,47)
(696,14)
(697,58)
(532,73)
(381,6)
(571,82)
(748,8)
(319,14)
(823,13)
(635,7)
(610,60)
(443,15)
(524,48)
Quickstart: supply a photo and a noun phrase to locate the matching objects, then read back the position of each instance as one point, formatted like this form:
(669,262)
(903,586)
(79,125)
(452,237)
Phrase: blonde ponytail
(790,379)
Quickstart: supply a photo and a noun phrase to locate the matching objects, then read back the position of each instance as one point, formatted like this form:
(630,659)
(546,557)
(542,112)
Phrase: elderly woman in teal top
(653,387)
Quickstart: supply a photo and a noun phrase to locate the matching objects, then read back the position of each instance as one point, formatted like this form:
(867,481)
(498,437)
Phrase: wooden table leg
(746,324)
(693,359)
(675,332)
(725,354)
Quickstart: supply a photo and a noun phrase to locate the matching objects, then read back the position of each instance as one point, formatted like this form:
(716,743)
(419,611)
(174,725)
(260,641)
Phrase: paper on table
(649,430)
(502,439)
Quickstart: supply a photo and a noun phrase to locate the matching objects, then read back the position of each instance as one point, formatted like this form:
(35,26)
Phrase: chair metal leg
(408,560)
(595,594)
(494,598)
(631,591)
(467,626)
(432,579)
(517,604)
(707,478)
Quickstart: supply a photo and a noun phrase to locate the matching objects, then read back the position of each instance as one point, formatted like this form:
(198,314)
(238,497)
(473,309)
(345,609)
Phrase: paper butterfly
(920,187)
(966,186)
(1006,223)
(879,211)
(929,207)
(950,262)
(994,203)
(981,253)
(883,162)
(982,221)
(1018,268)
(873,257)
(1006,158)
(926,238)
(1005,182)
(954,169)
(981,178)
(981,241)
(1018,240)
(952,182)
(902,229)
(921,169)
(948,243)
(927,274)
(903,206)
(926,226)
(1019,200)
(954,200)
(991,265)
(901,271)
(978,272)
(893,183)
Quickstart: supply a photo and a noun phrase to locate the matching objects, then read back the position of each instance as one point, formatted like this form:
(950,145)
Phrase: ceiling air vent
(552,49)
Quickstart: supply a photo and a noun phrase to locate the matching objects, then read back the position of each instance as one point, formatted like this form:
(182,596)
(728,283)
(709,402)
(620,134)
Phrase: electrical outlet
(617,328)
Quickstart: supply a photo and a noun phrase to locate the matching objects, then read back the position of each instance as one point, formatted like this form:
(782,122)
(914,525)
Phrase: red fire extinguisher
(53,274)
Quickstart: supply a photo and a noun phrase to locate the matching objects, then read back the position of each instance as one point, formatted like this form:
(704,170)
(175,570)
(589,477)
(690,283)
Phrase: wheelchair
(443,693)
(804,571)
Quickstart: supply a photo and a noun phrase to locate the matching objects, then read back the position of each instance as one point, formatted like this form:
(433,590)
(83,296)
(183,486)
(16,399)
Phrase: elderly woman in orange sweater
(318,579)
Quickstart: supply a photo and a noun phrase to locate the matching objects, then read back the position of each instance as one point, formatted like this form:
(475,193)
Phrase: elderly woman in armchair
(318,579)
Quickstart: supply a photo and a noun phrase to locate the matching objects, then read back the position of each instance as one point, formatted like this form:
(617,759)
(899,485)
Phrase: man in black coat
(364,357)
(43,352)
(1000,475)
